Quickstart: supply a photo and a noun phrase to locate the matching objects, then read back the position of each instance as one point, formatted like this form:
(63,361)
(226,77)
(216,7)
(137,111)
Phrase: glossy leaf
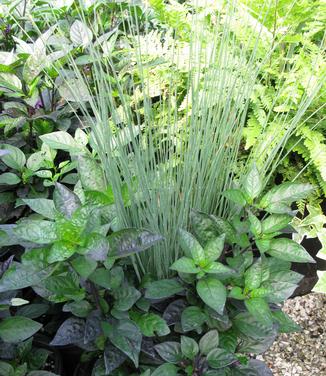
(189,347)
(185,265)
(41,206)
(150,324)
(9,178)
(275,222)
(220,358)
(192,318)
(259,308)
(91,174)
(285,193)
(253,183)
(65,201)
(37,231)
(125,297)
(163,289)
(62,141)
(236,196)
(254,275)
(70,332)
(172,313)
(60,251)
(288,250)
(128,241)
(169,351)
(214,248)
(16,329)
(208,342)
(14,157)
(212,292)
(127,338)
(166,369)
(191,246)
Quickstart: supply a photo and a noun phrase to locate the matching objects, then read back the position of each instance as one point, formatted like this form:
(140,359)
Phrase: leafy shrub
(223,305)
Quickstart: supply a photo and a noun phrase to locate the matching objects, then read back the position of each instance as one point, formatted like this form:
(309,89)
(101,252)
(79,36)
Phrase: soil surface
(303,353)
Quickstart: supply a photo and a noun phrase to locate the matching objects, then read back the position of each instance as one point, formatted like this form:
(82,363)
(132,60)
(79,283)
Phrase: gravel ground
(304,353)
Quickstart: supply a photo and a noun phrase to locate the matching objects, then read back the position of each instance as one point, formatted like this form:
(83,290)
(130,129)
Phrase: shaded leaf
(192,318)
(163,289)
(18,328)
(70,332)
(169,351)
(65,200)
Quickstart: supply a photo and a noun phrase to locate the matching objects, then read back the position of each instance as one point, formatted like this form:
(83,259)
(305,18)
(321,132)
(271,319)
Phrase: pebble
(303,353)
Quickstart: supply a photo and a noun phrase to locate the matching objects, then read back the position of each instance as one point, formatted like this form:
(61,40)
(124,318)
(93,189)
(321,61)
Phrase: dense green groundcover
(161,162)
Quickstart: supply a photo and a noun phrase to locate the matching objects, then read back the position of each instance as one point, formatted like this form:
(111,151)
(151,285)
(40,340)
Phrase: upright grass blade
(167,103)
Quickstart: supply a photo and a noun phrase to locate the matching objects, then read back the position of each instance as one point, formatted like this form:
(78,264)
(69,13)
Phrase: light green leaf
(185,265)
(288,250)
(218,269)
(150,324)
(236,196)
(60,251)
(15,158)
(259,308)
(16,329)
(254,275)
(166,369)
(189,347)
(275,222)
(8,178)
(212,292)
(6,369)
(209,342)
(36,231)
(255,225)
(286,193)
(84,266)
(253,184)
(321,284)
(80,34)
(41,206)
(214,248)
(62,141)
(74,90)
(91,174)
(286,324)
(191,246)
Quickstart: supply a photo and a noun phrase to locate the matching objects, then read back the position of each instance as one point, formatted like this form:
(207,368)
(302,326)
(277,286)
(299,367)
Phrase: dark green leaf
(113,358)
(109,279)
(189,347)
(125,297)
(289,250)
(150,324)
(84,266)
(163,289)
(18,328)
(169,351)
(172,313)
(228,340)
(33,311)
(65,200)
(192,318)
(79,309)
(209,342)
(70,332)
(219,358)
(127,337)
(20,276)
(286,324)
(212,292)
(128,241)
(6,369)
(41,373)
